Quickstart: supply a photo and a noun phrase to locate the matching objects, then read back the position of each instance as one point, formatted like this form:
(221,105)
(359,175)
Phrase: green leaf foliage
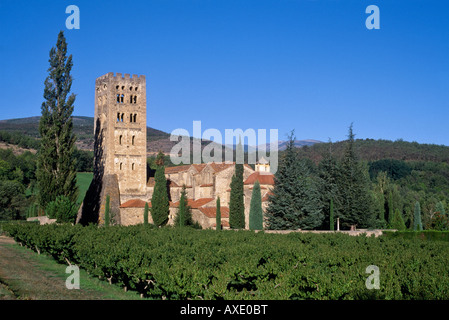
(177,263)
(56,165)
(255,209)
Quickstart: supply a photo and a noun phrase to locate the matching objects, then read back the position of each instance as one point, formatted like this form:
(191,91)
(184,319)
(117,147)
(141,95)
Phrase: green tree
(440,208)
(397,221)
(159,201)
(417,224)
(184,215)
(12,200)
(236,202)
(331,215)
(62,209)
(354,189)
(56,174)
(295,203)
(255,209)
(107,216)
(218,215)
(145,214)
(329,172)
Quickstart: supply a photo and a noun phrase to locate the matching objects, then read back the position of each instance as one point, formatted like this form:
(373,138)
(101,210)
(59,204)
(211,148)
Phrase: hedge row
(182,263)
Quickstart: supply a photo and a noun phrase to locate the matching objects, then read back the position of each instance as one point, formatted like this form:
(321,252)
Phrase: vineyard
(182,263)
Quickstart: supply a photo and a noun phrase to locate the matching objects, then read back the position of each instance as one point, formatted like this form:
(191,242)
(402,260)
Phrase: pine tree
(255,210)
(329,174)
(331,215)
(159,200)
(218,215)
(55,173)
(236,202)
(145,214)
(354,189)
(295,203)
(417,224)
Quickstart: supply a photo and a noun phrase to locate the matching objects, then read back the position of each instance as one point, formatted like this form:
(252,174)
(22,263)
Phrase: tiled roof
(194,204)
(262,177)
(135,203)
(211,212)
(216,166)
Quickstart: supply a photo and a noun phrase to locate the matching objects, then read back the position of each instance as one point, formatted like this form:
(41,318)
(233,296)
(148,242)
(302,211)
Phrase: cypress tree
(55,173)
(417,224)
(107,218)
(255,210)
(236,201)
(159,200)
(328,171)
(296,202)
(145,214)
(397,221)
(218,215)
(184,215)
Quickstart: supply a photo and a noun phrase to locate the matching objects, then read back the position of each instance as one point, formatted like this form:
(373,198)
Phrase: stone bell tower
(120,104)
(120,145)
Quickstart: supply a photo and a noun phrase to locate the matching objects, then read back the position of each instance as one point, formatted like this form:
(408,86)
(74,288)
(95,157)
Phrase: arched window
(120,139)
(130,117)
(135,116)
(118,98)
(121,98)
(121,166)
(118,116)
(131,99)
(122,117)
(132,166)
(135,99)
(132,140)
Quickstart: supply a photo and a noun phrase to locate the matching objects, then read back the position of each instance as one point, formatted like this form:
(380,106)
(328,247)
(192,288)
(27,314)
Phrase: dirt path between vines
(24,276)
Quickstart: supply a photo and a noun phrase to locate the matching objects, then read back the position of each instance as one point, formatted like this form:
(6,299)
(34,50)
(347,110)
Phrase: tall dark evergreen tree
(295,203)
(417,223)
(218,215)
(56,174)
(236,201)
(184,215)
(329,174)
(159,201)
(354,190)
(255,209)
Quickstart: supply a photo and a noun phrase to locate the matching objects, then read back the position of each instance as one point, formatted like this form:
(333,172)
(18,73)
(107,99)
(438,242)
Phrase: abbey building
(120,166)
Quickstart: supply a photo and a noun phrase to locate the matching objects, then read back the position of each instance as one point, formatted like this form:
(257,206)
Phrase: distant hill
(373,150)
(367,149)
(83,127)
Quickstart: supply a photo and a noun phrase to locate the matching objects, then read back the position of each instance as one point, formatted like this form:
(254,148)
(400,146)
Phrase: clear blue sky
(306,65)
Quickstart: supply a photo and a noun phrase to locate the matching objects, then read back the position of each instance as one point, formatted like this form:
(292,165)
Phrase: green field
(83,180)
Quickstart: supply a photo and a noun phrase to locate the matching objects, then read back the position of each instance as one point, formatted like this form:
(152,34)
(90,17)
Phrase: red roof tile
(194,204)
(211,212)
(263,178)
(134,203)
